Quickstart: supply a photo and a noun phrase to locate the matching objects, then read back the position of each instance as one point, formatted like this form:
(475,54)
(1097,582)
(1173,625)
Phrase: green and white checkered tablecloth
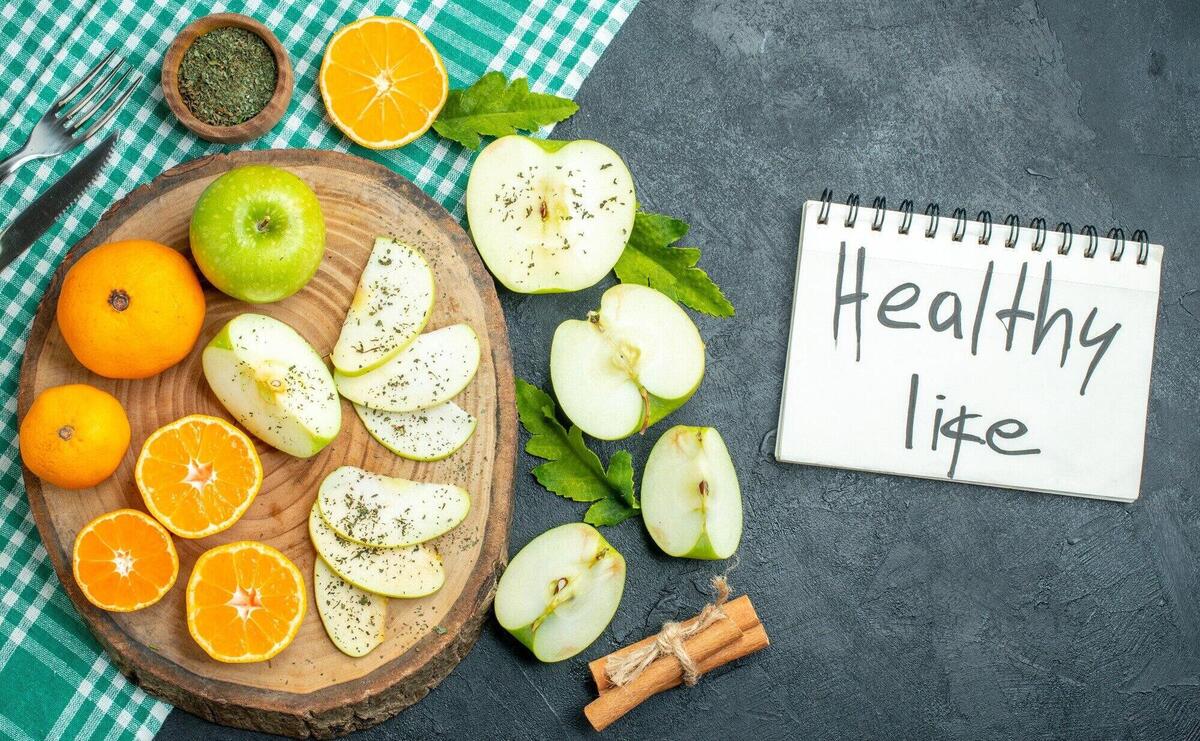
(55,682)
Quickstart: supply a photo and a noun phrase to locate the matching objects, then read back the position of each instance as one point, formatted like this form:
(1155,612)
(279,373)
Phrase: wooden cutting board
(310,688)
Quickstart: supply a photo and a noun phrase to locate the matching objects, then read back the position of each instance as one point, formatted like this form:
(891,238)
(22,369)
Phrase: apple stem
(263,223)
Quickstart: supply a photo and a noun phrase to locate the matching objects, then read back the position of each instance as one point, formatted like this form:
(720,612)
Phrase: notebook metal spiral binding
(933,212)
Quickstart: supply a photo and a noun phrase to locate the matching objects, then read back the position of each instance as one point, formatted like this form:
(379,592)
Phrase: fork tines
(120,80)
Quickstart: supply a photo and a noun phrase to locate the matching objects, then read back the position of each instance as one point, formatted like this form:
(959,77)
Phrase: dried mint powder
(227,76)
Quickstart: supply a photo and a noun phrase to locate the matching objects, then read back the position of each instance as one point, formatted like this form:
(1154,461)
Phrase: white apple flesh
(354,619)
(560,591)
(549,216)
(390,308)
(628,365)
(274,383)
(691,501)
(424,435)
(431,371)
(385,512)
(411,571)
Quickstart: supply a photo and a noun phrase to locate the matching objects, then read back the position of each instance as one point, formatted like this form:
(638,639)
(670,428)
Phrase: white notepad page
(895,382)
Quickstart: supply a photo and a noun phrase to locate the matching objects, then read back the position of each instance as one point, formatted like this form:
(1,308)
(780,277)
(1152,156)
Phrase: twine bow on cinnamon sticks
(725,630)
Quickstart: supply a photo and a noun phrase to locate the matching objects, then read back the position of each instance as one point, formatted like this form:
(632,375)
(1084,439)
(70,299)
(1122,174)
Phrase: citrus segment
(245,602)
(124,561)
(198,475)
(383,82)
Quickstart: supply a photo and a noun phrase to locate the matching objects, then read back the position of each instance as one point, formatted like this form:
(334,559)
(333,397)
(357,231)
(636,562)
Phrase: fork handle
(9,164)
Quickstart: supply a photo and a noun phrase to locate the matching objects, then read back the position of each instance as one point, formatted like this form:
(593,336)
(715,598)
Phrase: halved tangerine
(245,602)
(198,475)
(383,82)
(124,561)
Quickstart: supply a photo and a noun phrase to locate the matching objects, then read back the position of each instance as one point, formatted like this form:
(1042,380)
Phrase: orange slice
(198,475)
(124,561)
(383,82)
(245,602)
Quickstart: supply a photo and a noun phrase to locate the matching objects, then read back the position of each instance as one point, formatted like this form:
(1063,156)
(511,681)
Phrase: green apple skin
(257,233)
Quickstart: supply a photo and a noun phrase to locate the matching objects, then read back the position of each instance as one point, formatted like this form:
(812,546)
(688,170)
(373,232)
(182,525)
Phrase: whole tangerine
(131,309)
(74,436)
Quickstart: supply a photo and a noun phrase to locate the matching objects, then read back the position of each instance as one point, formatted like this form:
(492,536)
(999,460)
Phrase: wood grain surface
(310,688)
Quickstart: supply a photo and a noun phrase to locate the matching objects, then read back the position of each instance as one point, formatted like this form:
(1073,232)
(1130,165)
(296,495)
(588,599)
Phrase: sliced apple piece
(353,619)
(390,308)
(628,365)
(549,216)
(411,571)
(561,590)
(431,371)
(385,512)
(424,435)
(691,501)
(274,383)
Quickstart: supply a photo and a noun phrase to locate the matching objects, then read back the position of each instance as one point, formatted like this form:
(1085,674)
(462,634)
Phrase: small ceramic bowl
(265,119)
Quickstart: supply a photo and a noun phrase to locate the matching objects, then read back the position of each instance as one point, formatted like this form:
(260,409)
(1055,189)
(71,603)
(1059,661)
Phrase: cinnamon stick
(663,674)
(739,610)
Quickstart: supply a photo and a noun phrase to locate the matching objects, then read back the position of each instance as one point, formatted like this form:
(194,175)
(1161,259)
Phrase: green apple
(431,371)
(390,308)
(409,572)
(257,233)
(628,365)
(691,502)
(274,383)
(561,591)
(549,216)
(385,512)
(353,618)
(424,435)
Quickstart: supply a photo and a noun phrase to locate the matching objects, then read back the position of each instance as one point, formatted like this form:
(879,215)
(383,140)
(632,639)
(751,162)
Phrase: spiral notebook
(956,348)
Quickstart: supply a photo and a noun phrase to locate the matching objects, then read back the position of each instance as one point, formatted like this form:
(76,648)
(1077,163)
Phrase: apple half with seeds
(549,216)
(411,571)
(385,512)
(424,435)
(354,619)
(561,591)
(691,501)
(274,383)
(628,365)
(393,302)
(431,371)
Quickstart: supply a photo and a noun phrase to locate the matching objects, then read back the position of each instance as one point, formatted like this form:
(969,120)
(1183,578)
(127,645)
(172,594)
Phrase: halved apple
(431,371)
(691,501)
(628,365)
(549,216)
(354,619)
(274,383)
(561,590)
(390,308)
(385,512)
(411,571)
(424,435)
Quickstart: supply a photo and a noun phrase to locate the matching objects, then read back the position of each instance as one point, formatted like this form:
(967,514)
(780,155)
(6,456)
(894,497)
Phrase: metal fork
(59,129)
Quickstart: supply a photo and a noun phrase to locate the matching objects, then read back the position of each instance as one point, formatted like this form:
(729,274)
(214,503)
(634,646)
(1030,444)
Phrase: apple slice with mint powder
(411,571)
(431,371)
(385,512)
(390,308)
(274,383)
(691,501)
(628,365)
(560,591)
(549,216)
(424,435)
(353,619)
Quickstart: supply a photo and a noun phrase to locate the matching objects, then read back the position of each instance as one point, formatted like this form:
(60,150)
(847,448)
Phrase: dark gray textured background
(897,607)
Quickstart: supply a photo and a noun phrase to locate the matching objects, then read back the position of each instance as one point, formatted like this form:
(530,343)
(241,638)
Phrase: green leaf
(650,260)
(495,107)
(572,470)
